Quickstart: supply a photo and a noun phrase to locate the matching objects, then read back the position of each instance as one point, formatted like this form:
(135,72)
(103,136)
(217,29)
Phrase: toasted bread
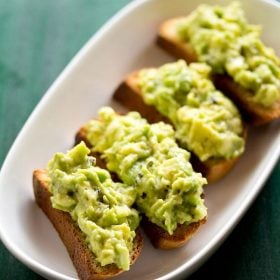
(253,113)
(169,41)
(163,240)
(159,238)
(83,259)
(129,95)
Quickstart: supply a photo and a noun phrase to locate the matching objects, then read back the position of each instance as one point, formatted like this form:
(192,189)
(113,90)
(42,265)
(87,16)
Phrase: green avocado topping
(147,156)
(222,37)
(206,122)
(101,207)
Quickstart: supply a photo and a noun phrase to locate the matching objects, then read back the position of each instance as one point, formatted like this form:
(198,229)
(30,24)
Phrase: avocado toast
(242,66)
(92,214)
(169,192)
(206,122)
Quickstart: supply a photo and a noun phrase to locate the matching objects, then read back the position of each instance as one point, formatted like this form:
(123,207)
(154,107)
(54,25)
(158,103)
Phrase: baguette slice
(129,95)
(159,237)
(83,259)
(253,113)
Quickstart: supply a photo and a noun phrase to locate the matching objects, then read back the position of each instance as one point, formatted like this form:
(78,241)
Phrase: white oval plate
(124,44)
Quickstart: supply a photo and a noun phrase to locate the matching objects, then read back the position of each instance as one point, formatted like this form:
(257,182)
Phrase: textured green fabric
(37,40)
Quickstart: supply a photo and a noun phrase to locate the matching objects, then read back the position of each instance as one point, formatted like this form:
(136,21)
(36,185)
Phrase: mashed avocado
(207,123)
(222,37)
(147,156)
(101,207)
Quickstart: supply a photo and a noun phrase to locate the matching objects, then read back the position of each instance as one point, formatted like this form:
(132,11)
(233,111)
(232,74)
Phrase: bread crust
(163,240)
(253,113)
(169,41)
(83,259)
(129,95)
(159,238)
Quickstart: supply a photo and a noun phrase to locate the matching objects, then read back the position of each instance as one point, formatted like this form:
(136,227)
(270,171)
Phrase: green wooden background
(37,40)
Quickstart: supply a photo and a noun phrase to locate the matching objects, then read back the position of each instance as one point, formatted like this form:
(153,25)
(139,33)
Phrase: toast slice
(159,238)
(253,113)
(83,259)
(129,95)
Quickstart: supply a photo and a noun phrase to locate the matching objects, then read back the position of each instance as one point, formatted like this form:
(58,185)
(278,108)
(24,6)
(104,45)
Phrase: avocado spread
(101,207)
(206,122)
(147,156)
(222,37)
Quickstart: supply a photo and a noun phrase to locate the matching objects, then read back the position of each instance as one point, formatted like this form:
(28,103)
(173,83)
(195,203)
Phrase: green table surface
(37,40)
